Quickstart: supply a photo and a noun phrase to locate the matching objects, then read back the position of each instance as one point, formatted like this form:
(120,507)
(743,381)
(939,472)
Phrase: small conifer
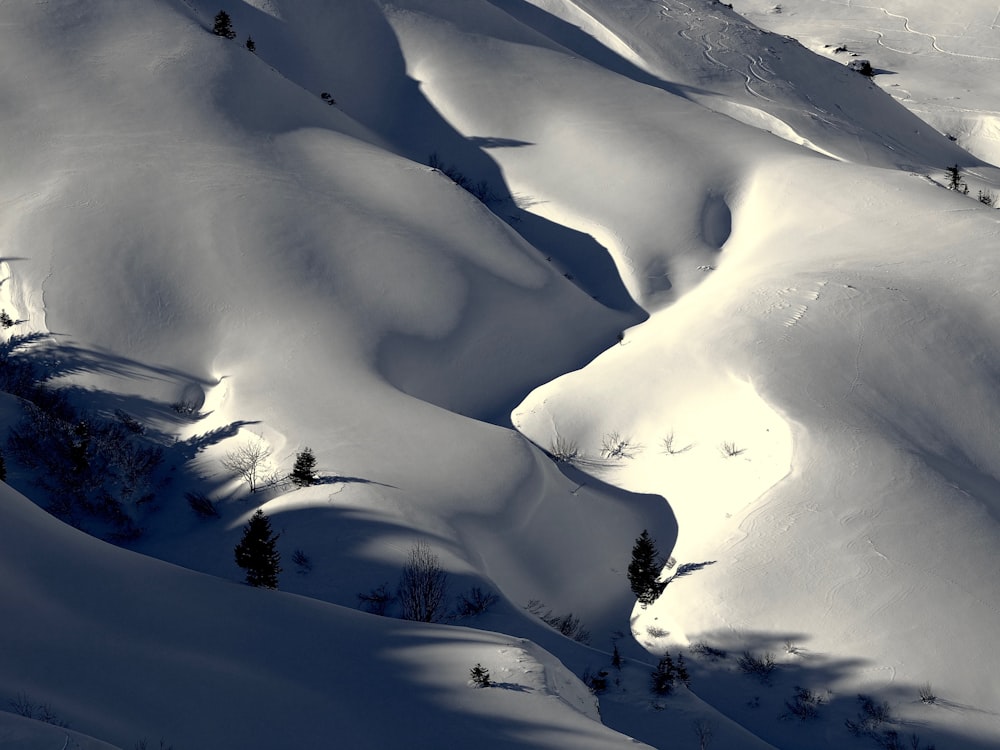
(644,570)
(256,553)
(223,25)
(481,676)
(304,472)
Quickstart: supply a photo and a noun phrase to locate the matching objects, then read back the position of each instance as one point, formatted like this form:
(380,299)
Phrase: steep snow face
(940,62)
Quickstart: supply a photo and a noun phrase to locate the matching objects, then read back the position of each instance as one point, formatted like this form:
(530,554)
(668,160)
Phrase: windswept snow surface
(696,233)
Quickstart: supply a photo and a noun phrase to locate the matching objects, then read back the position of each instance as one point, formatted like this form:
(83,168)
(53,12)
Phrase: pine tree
(955,181)
(663,676)
(304,472)
(251,45)
(256,552)
(480,676)
(644,570)
(223,25)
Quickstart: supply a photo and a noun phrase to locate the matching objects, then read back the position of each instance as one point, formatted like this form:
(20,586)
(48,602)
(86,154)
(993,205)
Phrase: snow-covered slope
(692,230)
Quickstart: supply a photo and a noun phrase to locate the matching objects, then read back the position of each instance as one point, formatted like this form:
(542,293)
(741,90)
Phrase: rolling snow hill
(706,264)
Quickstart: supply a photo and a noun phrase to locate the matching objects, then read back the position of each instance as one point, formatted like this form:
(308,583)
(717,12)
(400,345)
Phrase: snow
(704,236)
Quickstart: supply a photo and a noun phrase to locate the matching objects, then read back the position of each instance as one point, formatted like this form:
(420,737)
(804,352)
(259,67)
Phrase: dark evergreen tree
(663,676)
(3,469)
(304,472)
(481,676)
(250,44)
(955,181)
(256,553)
(223,25)
(644,570)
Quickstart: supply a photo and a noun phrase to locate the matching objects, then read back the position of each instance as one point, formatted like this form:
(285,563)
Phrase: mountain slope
(755,237)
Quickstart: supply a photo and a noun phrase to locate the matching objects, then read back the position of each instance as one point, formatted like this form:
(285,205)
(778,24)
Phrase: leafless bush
(202,505)
(423,585)
(563,450)
(871,717)
(598,683)
(729,449)
(22,705)
(804,705)
(657,632)
(475,602)
(567,624)
(671,447)
(927,694)
(703,649)
(760,667)
(614,446)
(302,561)
(703,731)
(249,462)
(377,600)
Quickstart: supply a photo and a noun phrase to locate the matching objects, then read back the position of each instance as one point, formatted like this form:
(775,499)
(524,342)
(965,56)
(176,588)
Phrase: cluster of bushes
(617,447)
(91,467)
(870,723)
(668,673)
(480,190)
(421,593)
(567,624)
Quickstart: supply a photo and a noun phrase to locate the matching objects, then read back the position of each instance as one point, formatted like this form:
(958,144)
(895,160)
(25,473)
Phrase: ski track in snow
(749,76)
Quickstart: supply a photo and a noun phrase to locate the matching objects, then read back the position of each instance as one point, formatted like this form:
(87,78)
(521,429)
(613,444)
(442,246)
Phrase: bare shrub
(760,667)
(871,716)
(22,705)
(671,447)
(703,731)
(249,462)
(423,585)
(615,446)
(302,561)
(927,695)
(703,649)
(804,704)
(201,505)
(729,449)
(563,450)
(657,632)
(377,600)
(475,602)
(567,624)
(598,683)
